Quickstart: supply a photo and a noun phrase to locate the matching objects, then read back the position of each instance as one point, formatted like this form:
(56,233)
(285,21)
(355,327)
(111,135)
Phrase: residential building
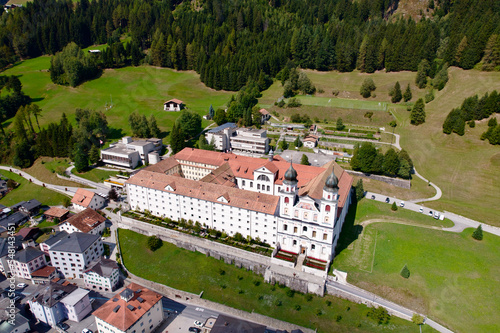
(20,324)
(28,233)
(26,261)
(129,153)
(58,301)
(134,310)
(3,187)
(265,115)
(53,239)
(296,208)
(44,275)
(53,213)
(84,199)
(31,207)
(228,137)
(7,244)
(87,221)
(102,274)
(310,141)
(72,254)
(173,105)
(13,220)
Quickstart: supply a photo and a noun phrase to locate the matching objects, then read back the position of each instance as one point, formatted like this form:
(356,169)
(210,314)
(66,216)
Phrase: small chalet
(265,115)
(56,213)
(32,207)
(311,141)
(28,233)
(173,105)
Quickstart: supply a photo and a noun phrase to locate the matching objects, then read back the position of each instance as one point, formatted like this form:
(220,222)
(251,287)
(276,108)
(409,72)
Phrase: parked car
(430,212)
(86,330)
(198,323)
(22,285)
(421,210)
(194,329)
(402,204)
(436,215)
(373,197)
(387,200)
(63,326)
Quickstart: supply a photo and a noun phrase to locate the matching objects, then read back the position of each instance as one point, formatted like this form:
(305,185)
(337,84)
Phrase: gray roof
(76,242)
(4,245)
(13,219)
(28,254)
(102,267)
(49,295)
(222,127)
(31,204)
(55,238)
(2,206)
(19,321)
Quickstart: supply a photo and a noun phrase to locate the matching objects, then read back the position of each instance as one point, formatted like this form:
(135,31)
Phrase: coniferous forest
(228,42)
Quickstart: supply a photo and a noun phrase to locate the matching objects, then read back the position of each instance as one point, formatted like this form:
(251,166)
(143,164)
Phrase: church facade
(295,208)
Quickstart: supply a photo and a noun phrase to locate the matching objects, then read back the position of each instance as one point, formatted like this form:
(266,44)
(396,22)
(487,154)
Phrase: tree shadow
(37,99)
(115,133)
(350,232)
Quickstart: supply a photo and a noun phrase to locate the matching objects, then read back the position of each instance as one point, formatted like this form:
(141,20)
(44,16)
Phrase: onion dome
(290,176)
(332,183)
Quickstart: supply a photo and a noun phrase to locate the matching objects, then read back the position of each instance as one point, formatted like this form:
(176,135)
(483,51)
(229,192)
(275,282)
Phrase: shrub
(379,314)
(277,302)
(223,286)
(335,92)
(471,124)
(298,307)
(309,297)
(154,243)
(405,272)
(320,90)
(256,283)
(394,207)
(478,233)
(328,303)
(338,318)
(290,293)
(241,291)
(319,312)
(294,103)
(417,319)
(222,272)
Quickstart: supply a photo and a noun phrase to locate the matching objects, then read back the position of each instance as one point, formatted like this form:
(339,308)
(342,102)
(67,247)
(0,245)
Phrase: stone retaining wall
(399,182)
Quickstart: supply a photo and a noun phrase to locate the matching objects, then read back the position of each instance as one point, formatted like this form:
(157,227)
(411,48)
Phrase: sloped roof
(86,220)
(226,324)
(76,242)
(54,238)
(164,165)
(27,233)
(83,197)
(174,100)
(264,112)
(28,254)
(121,314)
(222,176)
(56,212)
(44,271)
(102,267)
(259,202)
(6,243)
(50,294)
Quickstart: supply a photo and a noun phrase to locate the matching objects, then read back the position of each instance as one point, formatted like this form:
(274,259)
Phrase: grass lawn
(242,289)
(46,168)
(95,175)
(46,224)
(27,191)
(454,278)
(142,89)
(419,189)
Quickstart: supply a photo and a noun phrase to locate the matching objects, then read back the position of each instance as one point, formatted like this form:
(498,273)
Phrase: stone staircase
(300,260)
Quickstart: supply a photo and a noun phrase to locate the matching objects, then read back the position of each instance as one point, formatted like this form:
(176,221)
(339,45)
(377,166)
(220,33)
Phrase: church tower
(289,192)
(330,198)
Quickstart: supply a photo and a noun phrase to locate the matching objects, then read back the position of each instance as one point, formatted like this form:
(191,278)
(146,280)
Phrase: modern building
(296,208)
(129,153)
(173,105)
(13,220)
(87,221)
(102,274)
(72,254)
(84,199)
(17,324)
(229,137)
(53,213)
(58,301)
(26,261)
(135,309)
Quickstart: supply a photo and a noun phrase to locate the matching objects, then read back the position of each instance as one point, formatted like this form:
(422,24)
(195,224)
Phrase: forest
(228,42)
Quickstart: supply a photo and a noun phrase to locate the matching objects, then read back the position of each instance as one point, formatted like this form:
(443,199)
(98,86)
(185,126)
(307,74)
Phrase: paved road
(100,188)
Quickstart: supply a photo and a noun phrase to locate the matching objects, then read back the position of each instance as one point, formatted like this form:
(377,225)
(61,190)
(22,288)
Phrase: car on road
(421,209)
(373,197)
(86,330)
(436,215)
(402,204)
(430,212)
(387,200)
(63,326)
(198,323)
(22,285)
(194,329)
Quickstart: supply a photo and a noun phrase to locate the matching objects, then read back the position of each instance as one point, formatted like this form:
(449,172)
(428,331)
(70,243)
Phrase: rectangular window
(325,236)
(314,234)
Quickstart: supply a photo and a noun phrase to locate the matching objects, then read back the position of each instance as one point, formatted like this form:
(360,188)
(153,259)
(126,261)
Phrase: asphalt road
(407,204)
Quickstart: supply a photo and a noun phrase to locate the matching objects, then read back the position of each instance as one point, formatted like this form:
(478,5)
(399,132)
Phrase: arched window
(327,208)
(264,178)
(258,186)
(304,229)
(268,188)
(287,200)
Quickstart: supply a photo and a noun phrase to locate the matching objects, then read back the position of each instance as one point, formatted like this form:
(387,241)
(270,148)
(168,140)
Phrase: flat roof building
(128,153)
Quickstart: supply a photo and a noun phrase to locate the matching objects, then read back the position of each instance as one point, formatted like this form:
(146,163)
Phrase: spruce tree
(394,207)
(407,95)
(478,233)
(360,191)
(422,73)
(94,154)
(417,115)
(304,160)
(405,272)
(396,93)
(211,112)
(176,139)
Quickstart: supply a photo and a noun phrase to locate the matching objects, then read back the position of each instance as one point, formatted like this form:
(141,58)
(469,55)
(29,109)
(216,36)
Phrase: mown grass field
(454,278)
(27,191)
(95,175)
(46,168)
(419,188)
(242,289)
(143,89)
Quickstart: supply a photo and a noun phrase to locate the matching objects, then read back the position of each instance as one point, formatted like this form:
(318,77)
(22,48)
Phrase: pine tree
(81,159)
(304,160)
(394,207)
(407,95)
(422,73)
(491,58)
(94,154)
(417,115)
(340,124)
(396,93)
(211,112)
(405,272)
(176,139)
(478,233)
(360,191)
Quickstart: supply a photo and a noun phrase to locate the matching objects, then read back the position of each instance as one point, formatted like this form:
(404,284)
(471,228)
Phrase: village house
(173,105)
(87,221)
(53,213)
(310,141)
(102,274)
(26,261)
(84,199)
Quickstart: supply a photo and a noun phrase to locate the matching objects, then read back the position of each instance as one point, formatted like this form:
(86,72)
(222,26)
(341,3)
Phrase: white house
(8,245)
(55,302)
(102,274)
(296,208)
(87,221)
(310,141)
(84,199)
(72,254)
(265,115)
(134,309)
(26,261)
(53,239)
(173,105)
(128,153)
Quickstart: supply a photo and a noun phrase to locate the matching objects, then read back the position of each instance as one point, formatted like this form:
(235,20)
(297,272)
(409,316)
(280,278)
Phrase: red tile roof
(259,202)
(123,317)
(83,197)
(86,220)
(44,271)
(174,100)
(264,112)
